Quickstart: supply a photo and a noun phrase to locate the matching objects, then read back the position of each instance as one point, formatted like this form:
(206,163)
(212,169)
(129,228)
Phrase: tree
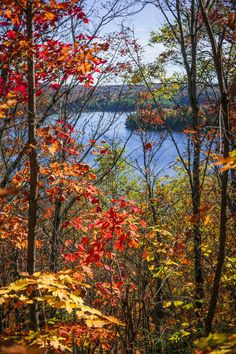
(208,12)
(25,72)
(192,166)
(181,35)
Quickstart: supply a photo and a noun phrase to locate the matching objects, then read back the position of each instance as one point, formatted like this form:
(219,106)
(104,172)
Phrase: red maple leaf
(148,146)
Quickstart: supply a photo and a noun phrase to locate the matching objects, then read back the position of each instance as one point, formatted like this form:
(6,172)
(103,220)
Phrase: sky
(149,19)
(142,23)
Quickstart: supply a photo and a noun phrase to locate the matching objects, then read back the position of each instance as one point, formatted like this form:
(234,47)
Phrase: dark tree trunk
(223,228)
(196,202)
(218,62)
(33,163)
(191,70)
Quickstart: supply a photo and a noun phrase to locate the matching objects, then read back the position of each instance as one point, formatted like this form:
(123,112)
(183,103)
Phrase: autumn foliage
(86,267)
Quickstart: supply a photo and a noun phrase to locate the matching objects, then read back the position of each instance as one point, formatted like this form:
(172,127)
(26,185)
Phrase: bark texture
(218,62)
(33,163)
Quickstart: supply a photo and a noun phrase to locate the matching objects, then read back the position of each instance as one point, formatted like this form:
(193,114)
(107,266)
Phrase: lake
(161,153)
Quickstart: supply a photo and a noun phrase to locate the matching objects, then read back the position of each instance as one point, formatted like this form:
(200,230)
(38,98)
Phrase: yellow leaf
(114,320)
(96,322)
(23,43)
(49,16)
(178,303)
(8,13)
(76,299)
(2,115)
(54,147)
(23,298)
(4,106)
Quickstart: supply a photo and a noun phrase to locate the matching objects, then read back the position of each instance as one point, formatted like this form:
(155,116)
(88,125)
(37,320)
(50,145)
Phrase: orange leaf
(55,146)
(5,192)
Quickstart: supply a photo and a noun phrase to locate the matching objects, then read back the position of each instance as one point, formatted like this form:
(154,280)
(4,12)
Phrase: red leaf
(55,86)
(94,200)
(70,257)
(123,203)
(98,209)
(11,34)
(85,240)
(77,223)
(21,89)
(148,146)
(105,151)
(67,242)
(39,92)
(119,245)
(65,224)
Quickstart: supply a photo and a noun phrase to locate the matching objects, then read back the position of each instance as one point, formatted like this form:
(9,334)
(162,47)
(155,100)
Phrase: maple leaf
(70,257)
(54,147)
(49,16)
(5,192)
(94,321)
(77,223)
(105,151)
(148,146)
(21,89)
(228,162)
(55,86)
(11,34)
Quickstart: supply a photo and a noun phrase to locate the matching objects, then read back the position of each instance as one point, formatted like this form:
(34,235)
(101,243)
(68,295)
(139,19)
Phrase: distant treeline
(113,98)
(123,104)
(112,105)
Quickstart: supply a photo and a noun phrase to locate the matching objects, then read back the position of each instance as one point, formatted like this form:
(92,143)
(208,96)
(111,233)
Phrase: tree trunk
(158,311)
(196,200)
(191,71)
(223,228)
(218,62)
(33,164)
(54,238)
